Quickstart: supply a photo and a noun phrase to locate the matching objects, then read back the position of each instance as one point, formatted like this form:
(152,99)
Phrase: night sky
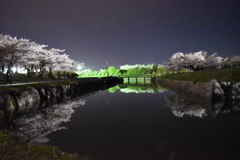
(125,31)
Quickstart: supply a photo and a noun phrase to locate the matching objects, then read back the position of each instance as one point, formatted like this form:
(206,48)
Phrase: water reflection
(137,88)
(36,126)
(191,105)
(184,104)
(180,107)
(138,126)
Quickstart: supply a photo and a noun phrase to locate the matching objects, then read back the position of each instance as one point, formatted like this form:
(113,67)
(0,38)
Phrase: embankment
(20,101)
(210,90)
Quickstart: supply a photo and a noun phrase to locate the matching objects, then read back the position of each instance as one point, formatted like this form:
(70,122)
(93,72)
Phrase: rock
(42,93)
(11,107)
(54,94)
(7,106)
(217,90)
(235,91)
(226,84)
(48,95)
(27,100)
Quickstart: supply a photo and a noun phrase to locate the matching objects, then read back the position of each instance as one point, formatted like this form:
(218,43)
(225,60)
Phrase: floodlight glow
(14,69)
(79,67)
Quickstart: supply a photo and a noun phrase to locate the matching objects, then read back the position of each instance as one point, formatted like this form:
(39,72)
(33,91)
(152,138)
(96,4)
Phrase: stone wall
(210,90)
(15,103)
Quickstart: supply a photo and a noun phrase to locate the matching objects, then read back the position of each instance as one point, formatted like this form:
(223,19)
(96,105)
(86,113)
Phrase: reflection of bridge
(138,88)
(137,85)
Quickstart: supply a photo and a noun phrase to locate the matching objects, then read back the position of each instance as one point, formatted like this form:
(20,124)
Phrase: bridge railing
(139,76)
(137,80)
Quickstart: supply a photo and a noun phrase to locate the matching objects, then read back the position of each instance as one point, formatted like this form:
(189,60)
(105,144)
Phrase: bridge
(146,79)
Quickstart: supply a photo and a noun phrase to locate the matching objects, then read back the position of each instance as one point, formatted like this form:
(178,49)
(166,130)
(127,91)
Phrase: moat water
(137,123)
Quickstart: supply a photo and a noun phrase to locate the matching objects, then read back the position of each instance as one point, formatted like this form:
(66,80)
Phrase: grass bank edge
(12,148)
(225,75)
(39,85)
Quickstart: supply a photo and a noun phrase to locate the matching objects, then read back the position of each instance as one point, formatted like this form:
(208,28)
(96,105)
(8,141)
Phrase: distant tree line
(179,62)
(127,70)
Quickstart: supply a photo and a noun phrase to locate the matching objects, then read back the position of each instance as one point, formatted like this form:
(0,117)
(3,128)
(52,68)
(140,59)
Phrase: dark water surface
(130,126)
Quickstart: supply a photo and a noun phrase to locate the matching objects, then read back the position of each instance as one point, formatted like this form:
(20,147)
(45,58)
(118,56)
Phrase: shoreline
(212,90)
(20,100)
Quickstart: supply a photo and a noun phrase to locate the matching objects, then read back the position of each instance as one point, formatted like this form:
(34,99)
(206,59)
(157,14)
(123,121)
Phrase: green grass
(226,74)
(11,148)
(39,85)
(22,87)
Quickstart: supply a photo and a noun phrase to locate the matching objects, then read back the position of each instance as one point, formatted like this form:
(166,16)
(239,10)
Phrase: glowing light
(79,67)
(14,69)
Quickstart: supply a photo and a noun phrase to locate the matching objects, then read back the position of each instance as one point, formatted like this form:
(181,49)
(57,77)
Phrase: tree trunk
(40,75)
(36,68)
(50,73)
(32,68)
(9,70)
(3,68)
(28,72)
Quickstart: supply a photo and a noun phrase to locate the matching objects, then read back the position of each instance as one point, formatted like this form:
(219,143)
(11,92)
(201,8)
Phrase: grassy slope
(22,78)
(11,148)
(226,74)
(37,85)
(21,87)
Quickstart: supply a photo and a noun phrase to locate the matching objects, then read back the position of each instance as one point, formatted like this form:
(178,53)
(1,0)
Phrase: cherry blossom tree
(195,61)
(53,60)
(31,60)
(62,62)
(3,50)
(234,61)
(32,56)
(12,49)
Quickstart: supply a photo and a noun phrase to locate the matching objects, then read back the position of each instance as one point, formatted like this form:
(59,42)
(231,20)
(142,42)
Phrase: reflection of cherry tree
(195,106)
(180,107)
(38,125)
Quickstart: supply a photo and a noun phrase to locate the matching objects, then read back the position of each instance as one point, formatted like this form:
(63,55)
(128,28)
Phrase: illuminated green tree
(112,71)
(154,66)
